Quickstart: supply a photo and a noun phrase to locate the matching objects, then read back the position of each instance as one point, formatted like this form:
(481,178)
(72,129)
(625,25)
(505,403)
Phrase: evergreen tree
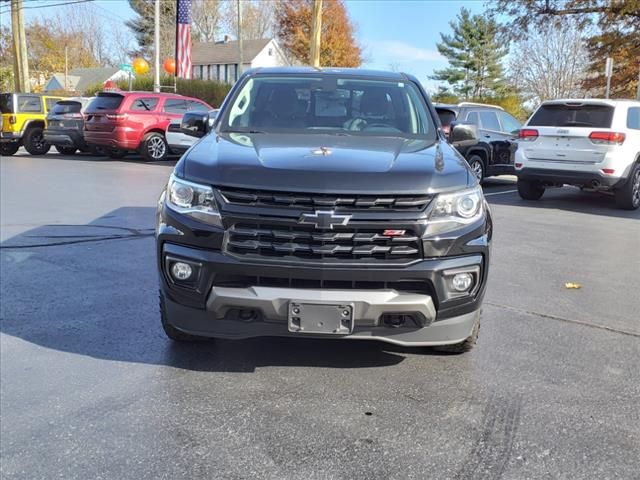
(474,53)
(142,28)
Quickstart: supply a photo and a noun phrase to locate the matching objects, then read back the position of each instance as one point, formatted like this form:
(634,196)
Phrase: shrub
(211,92)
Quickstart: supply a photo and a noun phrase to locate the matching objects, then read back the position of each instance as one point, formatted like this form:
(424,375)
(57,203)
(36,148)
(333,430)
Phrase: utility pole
(316,33)
(66,68)
(156,46)
(20,63)
(240,52)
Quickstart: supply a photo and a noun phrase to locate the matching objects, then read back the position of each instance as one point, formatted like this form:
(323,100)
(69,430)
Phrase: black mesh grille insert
(422,287)
(302,201)
(305,242)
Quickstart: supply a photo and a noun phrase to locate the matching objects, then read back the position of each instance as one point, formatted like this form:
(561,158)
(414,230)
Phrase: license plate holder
(321,318)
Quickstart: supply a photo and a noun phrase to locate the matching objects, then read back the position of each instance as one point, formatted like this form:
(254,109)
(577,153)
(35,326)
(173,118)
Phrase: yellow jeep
(23,121)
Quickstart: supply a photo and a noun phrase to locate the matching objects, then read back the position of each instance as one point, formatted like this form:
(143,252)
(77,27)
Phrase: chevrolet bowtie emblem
(324,219)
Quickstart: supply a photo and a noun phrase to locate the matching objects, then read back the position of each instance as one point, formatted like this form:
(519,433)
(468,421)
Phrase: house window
(270,52)
(218,72)
(226,73)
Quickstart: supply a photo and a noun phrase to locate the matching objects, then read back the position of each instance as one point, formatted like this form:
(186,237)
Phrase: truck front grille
(262,198)
(300,242)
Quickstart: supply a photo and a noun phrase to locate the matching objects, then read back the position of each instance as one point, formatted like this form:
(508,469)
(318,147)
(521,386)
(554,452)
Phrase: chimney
(227,38)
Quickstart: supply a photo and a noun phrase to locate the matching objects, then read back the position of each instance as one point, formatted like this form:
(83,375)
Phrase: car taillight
(12,119)
(608,138)
(117,117)
(528,134)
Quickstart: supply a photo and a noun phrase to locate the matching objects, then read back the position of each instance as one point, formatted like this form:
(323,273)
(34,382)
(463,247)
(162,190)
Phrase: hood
(324,163)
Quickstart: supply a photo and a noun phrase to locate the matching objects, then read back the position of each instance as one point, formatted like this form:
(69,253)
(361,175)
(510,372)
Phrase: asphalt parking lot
(91,389)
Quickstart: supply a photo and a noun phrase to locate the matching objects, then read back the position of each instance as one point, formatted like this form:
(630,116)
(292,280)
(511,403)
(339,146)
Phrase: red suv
(120,122)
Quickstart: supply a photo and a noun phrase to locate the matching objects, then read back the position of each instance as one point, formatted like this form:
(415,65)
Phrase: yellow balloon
(140,66)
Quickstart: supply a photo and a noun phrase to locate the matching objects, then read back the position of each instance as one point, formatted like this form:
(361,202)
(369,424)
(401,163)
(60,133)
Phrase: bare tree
(550,63)
(258,18)
(207,19)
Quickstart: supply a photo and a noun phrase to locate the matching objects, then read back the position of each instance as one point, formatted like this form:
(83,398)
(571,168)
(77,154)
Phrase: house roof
(226,52)
(91,76)
(72,81)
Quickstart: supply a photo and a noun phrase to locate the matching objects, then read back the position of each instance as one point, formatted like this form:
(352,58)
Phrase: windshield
(329,104)
(6,103)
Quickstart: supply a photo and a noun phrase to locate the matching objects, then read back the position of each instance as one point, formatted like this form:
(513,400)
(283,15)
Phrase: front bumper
(204,323)
(233,297)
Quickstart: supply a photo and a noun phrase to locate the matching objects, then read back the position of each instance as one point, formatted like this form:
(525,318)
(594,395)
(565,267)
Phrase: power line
(48,5)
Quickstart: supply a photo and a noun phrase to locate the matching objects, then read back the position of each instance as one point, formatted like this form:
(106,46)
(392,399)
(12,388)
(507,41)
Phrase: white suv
(591,143)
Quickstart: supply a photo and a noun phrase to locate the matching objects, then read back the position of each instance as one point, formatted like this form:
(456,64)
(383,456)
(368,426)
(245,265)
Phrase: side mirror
(463,134)
(195,124)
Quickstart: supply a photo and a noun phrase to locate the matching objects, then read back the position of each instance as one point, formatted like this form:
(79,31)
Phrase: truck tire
(65,150)
(9,148)
(463,346)
(172,332)
(154,147)
(477,167)
(628,196)
(34,141)
(530,189)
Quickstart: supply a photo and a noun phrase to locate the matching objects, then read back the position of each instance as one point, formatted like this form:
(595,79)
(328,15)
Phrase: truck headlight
(193,200)
(454,210)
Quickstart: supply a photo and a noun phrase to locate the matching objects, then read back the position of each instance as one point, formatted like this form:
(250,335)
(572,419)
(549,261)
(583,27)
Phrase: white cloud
(398,51)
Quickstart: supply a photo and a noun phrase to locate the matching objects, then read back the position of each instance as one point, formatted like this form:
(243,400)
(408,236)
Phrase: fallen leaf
(572,286)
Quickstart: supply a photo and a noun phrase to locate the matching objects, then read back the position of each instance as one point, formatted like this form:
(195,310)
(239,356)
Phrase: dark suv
(493,154)
(323,203)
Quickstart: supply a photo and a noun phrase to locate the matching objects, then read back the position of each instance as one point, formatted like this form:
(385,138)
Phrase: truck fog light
(462,282)
(181,271)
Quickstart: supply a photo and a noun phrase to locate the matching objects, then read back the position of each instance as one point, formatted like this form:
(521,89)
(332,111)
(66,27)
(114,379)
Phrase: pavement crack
(75,238)
(564,319)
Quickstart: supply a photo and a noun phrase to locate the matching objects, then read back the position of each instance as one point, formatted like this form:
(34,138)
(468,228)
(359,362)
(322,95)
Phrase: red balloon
(170,66)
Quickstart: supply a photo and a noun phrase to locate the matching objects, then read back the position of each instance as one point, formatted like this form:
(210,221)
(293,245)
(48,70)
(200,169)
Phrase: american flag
(183,39)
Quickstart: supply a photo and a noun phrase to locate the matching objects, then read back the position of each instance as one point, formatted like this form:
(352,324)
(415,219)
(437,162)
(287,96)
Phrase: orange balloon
(169,66)
(140,66)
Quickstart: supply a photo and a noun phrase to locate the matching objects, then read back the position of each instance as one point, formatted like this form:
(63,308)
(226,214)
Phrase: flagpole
(156,45)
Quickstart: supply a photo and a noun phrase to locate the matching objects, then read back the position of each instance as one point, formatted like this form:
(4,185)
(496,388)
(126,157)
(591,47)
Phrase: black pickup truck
(325,203)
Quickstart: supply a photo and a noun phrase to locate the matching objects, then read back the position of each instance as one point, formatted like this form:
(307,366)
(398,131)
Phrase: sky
(395,34)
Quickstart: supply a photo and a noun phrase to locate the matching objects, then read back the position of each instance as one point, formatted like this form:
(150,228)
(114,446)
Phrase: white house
(219,60)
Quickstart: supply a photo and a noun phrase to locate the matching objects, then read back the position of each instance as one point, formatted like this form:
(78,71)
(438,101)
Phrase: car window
(446,116)
(144,104)
(329,104)
(175,105)
(29,104)
(489,121)
(472,117)
(51,102)
(509,123)
(68,106)
(105,101)
(572,115)
(633,118)
(197,106)
(6,103)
